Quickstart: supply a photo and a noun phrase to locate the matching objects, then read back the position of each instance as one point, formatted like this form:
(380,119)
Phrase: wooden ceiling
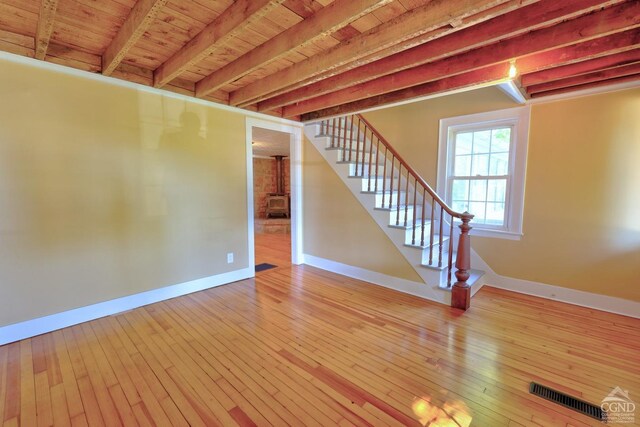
(306,59)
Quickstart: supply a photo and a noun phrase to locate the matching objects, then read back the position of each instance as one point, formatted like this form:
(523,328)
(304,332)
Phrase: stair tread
(410,225)
(395,207)
(436,242)
(474,277)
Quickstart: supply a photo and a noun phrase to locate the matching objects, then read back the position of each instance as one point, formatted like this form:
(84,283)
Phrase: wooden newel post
(461,292)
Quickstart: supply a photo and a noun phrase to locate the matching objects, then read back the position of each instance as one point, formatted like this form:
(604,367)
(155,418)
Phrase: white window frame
(518,118)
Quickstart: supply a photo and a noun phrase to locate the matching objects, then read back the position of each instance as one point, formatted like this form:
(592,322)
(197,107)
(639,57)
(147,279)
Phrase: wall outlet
(230,258)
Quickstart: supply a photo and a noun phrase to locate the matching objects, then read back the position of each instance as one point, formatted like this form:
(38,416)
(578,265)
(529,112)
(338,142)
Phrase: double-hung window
(482,161)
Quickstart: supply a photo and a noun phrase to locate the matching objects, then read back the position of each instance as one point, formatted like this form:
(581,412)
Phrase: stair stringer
(431,289)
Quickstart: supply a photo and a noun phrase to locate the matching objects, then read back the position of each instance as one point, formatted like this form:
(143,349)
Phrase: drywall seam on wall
(31,328)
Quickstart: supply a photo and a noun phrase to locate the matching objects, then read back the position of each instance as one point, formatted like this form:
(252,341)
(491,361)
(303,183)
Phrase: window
(481,169)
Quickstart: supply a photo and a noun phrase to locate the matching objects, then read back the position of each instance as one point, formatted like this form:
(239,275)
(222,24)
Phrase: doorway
(274,177)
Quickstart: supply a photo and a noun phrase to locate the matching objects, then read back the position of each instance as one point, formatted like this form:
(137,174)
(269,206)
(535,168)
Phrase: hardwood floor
(302,346)
(273,249)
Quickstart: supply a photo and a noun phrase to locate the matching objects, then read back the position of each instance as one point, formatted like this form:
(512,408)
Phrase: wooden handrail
(461,294)
(410,170)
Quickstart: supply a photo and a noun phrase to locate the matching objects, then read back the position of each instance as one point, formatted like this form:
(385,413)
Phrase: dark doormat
(264,266)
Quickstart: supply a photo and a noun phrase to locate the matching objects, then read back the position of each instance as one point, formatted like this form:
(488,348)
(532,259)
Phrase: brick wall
(264,182)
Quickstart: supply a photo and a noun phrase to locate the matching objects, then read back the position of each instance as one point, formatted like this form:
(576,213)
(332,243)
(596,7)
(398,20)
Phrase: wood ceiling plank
(115,9)
(16,43)
(324,22)
(519,21)
(46,18)
(219,32)
(474,79)
(613,19)
(67,33)
(17,20)
(17,39)
(197,11)
(602,46)
(601,83)
(140,18)
(607,74)
(70,57)
(582,67)
(409,25)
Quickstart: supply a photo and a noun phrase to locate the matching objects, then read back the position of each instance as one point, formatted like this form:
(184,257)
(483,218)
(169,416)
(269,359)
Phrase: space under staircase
(432,237)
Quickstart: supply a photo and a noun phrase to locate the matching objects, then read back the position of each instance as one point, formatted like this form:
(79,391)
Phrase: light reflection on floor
(451,413)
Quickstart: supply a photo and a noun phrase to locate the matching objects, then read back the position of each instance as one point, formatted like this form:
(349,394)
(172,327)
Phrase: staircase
(432,237)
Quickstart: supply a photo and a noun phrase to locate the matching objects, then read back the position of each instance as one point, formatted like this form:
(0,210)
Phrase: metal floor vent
(567,401)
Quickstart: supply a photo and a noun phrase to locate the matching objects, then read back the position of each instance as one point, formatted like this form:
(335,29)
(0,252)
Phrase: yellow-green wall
(339,228)
(581,227)
(108,191)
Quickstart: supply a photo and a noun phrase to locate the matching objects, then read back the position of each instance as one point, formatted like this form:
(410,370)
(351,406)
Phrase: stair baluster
(424,205)
(398,192)
(378,161)
(370,157)
(433,225)
(333,133)
(391,180)
(415,210)
(440,245)
(406,201)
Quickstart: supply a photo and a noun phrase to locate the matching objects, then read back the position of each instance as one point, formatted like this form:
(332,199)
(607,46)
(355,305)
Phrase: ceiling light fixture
(513,71)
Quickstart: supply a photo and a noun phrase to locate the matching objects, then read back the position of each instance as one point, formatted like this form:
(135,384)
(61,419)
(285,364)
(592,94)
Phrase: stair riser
(340,142)
(364,171)
(390,199)
(380,184)
(359,157)
(396,217)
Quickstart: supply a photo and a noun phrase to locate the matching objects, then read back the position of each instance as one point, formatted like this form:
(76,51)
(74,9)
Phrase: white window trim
(520,117)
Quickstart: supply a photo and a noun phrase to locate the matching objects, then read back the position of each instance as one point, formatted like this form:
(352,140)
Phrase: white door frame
(295,166)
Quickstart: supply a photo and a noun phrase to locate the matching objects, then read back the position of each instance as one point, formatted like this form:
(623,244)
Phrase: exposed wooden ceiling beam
(225,27)
(483,77)
(613,19)
(141,16)
(595,48)
(611,73)
(324,22)
(139,19)
(582,67)
(401,45)
(45,27)
(418,21)
(569,54)
(525,19)
(611,82)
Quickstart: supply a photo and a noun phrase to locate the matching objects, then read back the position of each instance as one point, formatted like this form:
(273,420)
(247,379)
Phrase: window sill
(484,232)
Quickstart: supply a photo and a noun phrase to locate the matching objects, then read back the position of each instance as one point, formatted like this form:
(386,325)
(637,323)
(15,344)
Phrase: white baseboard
(41,325)
(551,292)
(567,295)
(418,289)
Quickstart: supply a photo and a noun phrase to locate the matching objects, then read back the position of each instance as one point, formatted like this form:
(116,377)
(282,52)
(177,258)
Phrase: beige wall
(107,191)
(337,226)
(581,206)
(582,198)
